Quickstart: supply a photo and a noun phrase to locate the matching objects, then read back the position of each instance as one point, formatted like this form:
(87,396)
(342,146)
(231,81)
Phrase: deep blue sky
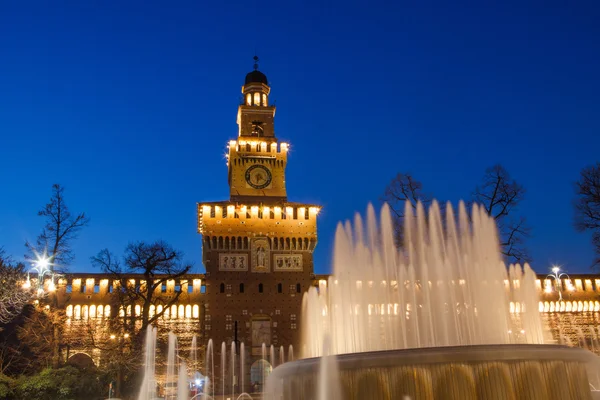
(130,107)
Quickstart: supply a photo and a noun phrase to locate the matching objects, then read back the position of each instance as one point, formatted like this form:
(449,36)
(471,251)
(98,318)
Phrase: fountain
(177,378)
(431,321)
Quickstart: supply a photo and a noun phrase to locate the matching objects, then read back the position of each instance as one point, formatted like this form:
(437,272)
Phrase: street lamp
(41,266)
(557,276)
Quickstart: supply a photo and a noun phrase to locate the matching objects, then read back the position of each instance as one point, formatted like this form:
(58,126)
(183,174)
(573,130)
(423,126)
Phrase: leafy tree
(60,230)
(587,206)
(7,387)
(66,383)
(500,196)
(13,296)
(404,188)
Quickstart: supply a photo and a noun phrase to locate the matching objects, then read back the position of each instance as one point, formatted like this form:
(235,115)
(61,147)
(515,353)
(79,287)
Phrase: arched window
(241,288)
(264,100)
(260,288)
(222,288)
(279,288)
(248,99)
(256,99)
(298,288)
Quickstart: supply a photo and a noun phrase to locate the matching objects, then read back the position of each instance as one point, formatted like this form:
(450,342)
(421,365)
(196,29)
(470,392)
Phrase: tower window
(222,288)
(260,288)
(248,99)
(264,100)
(298,288)
(241,288)
(279,288)
(256,99)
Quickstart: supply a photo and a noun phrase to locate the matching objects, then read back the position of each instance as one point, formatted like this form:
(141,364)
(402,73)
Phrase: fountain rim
(444,354)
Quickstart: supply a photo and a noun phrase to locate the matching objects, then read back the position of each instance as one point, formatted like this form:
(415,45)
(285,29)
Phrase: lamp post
(557,276)
(41,266)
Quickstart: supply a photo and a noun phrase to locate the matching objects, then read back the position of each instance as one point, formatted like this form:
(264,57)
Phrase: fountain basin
(488,372)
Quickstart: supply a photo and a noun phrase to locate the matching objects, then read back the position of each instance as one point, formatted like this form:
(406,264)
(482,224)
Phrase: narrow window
(298,288)
(279,288)
(264,100)
(241,288)
(222,288)
(260,288)
(256,99)
(248,99)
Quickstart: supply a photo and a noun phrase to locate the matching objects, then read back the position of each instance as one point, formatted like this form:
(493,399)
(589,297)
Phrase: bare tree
(60,230)
(55,242)
(13,296)
(587,206)
(500,196)
(403,188)
(157,263)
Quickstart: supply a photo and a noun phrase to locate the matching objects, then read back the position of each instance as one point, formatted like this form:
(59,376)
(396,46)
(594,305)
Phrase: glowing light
(27,283)
(42,262)
(126,335)
(112,337)
(51,287)
(555,269)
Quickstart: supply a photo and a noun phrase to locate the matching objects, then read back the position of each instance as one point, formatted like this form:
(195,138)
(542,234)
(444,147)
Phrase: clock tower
(256,161)
(257,247)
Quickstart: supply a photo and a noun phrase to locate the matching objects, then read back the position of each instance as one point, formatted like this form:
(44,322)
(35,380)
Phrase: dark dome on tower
(256,77)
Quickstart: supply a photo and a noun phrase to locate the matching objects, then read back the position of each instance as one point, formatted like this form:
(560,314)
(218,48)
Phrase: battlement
(573,285)
(257,148)
(220,213)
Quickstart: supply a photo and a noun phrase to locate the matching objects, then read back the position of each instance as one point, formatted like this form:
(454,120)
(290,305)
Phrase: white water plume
(447,286)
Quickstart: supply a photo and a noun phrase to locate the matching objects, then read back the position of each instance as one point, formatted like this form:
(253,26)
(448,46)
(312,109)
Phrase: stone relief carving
(288,262)
(233,262)
(260,255)
(261,333)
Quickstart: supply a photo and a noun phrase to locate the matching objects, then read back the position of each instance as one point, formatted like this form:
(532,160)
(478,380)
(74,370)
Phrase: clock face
(258,176)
